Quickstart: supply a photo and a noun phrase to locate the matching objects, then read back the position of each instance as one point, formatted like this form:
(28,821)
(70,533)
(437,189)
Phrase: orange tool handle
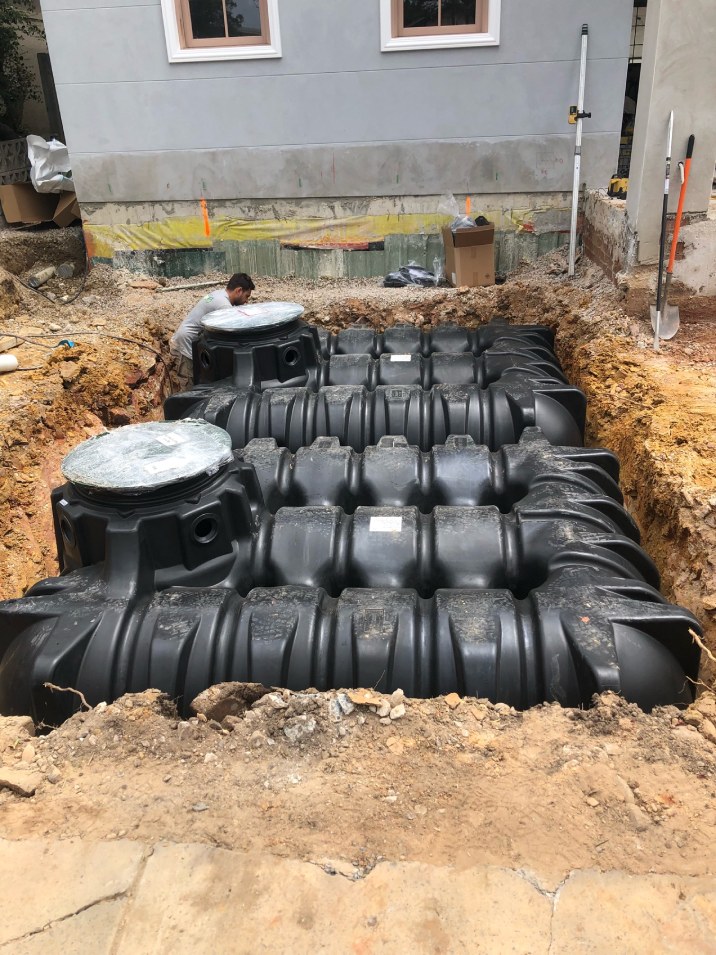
(682,199)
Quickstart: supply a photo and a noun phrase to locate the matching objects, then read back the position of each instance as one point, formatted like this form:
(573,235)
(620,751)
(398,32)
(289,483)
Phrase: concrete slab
(192,899)
(600,913)
(49,880)
(121,898)
(91,930)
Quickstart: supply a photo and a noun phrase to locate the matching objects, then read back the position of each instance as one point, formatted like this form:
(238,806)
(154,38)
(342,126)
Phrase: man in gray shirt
(237,292)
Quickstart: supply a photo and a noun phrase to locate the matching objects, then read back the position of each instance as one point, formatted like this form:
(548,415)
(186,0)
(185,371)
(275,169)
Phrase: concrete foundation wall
(334,116)
(605,233)
(611,241)
(312,238)
(678,73)
(529,164)
(697,269)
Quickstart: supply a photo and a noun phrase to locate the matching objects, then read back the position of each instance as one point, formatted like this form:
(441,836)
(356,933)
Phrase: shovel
(669,324)
(656,320)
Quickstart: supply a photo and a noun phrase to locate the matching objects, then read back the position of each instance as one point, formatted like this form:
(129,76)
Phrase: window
(428,17)
(435,24)
(220,29)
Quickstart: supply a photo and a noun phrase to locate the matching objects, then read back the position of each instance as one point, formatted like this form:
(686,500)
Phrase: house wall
(334,117)
(678,73)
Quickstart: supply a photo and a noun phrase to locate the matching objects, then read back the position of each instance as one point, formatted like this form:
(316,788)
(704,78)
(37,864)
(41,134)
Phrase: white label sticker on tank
(171,439)
(158,467)
(400,357)
(386,524)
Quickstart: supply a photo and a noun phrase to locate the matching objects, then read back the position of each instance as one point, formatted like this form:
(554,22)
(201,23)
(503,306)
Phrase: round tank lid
(247,318)
(143,457)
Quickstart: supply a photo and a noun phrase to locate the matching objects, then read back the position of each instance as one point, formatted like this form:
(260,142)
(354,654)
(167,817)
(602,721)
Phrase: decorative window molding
(183,47)
(394,37)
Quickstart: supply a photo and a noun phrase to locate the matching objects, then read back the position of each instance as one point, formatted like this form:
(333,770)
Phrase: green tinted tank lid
(260,315)
(138,458)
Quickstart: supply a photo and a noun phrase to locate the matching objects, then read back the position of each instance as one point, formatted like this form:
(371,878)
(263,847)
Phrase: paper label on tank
(385,524)
(374,619)
(159,467)
(400,357)
(170,439)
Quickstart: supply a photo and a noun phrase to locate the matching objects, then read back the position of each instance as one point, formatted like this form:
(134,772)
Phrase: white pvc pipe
(7,363)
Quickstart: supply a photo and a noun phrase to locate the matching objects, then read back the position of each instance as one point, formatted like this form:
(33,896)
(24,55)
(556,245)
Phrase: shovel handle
(682,199)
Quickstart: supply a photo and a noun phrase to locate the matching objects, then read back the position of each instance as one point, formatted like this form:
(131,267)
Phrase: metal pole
(578,153)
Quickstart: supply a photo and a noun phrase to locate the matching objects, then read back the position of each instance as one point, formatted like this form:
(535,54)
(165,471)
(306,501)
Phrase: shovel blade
(669,324)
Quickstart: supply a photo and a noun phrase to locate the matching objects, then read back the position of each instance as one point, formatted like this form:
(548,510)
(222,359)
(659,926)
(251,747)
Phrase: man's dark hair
(240,280)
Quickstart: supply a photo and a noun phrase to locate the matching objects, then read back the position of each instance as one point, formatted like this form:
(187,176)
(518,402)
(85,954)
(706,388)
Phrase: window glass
(207,18)
(458,12)
(420,13)
(243,17)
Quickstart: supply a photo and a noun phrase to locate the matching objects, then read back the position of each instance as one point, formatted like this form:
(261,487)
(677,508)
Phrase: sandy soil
(450,782)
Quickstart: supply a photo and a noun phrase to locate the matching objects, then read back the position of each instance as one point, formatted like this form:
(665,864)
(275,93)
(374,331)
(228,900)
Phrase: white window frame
(441,41)
(246,51)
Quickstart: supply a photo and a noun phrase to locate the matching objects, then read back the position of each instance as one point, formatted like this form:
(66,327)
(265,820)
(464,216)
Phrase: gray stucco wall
(334,116)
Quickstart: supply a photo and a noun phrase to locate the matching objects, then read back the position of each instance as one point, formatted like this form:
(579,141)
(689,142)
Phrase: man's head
(239,288)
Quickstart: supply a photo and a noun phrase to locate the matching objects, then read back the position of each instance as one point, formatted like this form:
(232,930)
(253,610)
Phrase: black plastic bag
(410,275)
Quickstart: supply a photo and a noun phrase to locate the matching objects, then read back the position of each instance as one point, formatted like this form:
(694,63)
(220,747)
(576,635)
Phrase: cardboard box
(68,209)
(470,255)
(20,203)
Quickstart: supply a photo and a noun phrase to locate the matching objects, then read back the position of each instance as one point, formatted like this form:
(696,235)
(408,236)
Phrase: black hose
(72,334)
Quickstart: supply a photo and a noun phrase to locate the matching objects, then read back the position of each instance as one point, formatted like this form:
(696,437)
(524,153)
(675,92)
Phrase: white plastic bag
(50,162)
(462,222)
(447,206)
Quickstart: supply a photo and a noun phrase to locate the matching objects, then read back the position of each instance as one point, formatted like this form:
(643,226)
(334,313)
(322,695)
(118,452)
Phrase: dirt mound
(452,781)
(23,251)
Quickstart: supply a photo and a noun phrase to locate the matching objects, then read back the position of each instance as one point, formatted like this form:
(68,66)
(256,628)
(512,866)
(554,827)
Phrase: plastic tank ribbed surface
(417,514)
(295,417)
(223,534)
(446,338)
(296,353)
(458,472)
(549,599)
(579,633)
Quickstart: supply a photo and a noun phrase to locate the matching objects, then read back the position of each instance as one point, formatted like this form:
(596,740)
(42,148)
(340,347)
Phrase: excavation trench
(455,783)
(639,405)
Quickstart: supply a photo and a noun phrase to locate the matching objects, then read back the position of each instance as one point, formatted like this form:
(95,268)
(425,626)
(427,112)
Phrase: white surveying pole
(578,115)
